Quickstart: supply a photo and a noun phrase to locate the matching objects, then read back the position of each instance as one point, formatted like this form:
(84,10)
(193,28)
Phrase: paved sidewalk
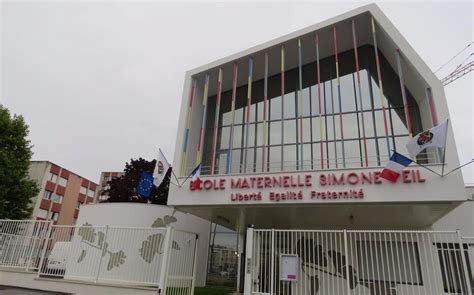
(7,290)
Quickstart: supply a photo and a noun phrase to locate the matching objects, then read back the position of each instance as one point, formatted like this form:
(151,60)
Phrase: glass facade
(223,258)
(337,123)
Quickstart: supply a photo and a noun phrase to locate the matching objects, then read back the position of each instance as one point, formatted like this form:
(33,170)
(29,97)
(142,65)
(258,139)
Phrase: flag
(161,168)
(196,182)
(145,184)
(395,167)
(196,172)
(435,136)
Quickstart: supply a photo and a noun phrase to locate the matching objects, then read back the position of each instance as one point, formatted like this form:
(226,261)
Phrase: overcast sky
(101,82)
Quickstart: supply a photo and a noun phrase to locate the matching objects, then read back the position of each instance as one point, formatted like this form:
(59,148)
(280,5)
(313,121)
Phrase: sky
(100,83)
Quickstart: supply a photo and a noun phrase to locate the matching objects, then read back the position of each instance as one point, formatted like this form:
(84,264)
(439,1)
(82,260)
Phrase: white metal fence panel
(360,262)
(21,242)
(181,266)
(128,255)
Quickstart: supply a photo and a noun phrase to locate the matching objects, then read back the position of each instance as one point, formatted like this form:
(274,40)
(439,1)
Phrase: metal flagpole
(354,41)
(189,116)
(216,121)
(264,130)
(429,169)
(470,162)
(445,146)
(172,172)
(319,102)
(379,76)
(247,123)
(338,82)
(231,138)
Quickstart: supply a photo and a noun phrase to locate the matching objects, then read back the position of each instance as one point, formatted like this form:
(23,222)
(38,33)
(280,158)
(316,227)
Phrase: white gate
(357,262)
(179,265)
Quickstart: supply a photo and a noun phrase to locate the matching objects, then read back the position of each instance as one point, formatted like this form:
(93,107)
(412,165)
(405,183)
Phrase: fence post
(164,261)
(194,263)
(272,262)
(346,253)
(248,262)
(45,246)
(464,264)
(100,258)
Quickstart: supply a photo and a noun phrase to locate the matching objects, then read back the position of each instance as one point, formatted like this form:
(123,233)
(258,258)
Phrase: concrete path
(7,290)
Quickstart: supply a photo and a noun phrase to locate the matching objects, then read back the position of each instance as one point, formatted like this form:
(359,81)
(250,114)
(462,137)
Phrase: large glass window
(310,129)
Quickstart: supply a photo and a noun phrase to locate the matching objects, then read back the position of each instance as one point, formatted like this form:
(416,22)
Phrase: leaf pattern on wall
(87,233)
(151,246)
(116,259)
(82,256)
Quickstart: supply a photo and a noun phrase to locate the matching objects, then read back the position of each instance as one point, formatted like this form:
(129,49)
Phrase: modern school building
(291,136)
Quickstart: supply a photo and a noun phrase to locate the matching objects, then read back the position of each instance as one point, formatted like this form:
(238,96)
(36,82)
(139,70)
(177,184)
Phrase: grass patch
(213,290)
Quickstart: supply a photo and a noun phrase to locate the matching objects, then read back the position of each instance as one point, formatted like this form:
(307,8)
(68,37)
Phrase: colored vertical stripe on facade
(203,122)
(247,120)
(318,75)
(232,111)
(189,111)
(356,54)
(282,89)
(300,95)
(216,121)
(379,76)
(434,116)
(404,96)
(264,129)
(338,83)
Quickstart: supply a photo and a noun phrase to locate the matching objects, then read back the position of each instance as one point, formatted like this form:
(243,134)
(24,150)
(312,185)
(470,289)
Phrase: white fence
(21,242)
(162,258)
(358,262)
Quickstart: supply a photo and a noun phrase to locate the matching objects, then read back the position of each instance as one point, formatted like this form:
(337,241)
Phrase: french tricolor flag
(395,167)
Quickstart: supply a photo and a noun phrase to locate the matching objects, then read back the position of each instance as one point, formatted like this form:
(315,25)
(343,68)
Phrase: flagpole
(470,162)
(181,185)
(421,165)
(444,150)
(172,172)
(427,168)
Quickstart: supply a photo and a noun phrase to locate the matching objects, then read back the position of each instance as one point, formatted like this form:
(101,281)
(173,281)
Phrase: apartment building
(61,194)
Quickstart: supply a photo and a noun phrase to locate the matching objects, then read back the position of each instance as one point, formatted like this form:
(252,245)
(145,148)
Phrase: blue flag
(145,184)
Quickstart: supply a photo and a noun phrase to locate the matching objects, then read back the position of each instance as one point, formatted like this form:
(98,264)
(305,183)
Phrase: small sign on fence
(289,267)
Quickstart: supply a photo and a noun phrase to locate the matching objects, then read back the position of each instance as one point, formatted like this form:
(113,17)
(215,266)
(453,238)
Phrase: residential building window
(83,190)
(53,216)
(47,195)
(62,181)
(42,213)
(452,269)
(90,193)
(52,177)
(57,198)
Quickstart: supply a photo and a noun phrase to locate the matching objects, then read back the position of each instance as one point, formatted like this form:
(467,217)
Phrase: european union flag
(145,184)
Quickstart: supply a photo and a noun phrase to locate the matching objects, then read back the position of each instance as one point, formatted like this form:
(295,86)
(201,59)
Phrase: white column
(248,262)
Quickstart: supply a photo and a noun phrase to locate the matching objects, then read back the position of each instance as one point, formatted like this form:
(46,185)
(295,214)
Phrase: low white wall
(141,215)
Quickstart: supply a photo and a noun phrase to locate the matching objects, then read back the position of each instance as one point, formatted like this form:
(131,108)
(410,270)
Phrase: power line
(454,57)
